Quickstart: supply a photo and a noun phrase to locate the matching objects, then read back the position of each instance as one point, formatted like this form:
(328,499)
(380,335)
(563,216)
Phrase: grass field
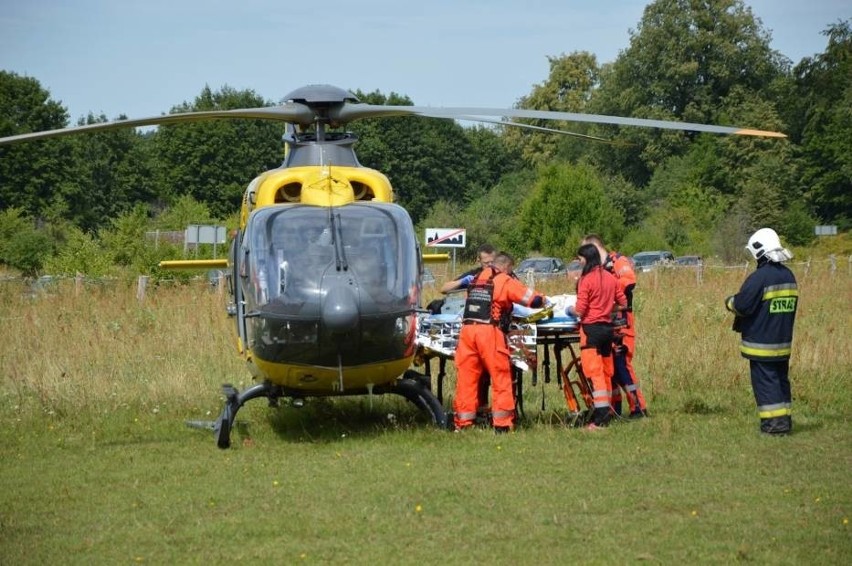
(98,466)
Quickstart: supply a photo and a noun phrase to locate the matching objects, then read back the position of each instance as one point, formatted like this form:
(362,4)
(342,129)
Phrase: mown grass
(98,466)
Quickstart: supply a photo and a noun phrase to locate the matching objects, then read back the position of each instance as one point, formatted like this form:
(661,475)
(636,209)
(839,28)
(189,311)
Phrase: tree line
(83,203)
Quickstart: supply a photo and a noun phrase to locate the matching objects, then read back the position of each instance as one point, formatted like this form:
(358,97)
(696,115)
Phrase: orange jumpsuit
(597,294)
(483,347)
(625,376)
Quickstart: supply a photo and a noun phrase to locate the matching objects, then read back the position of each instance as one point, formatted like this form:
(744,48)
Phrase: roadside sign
(446,237)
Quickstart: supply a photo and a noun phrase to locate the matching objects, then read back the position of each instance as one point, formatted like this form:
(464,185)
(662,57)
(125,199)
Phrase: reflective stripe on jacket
(766,309)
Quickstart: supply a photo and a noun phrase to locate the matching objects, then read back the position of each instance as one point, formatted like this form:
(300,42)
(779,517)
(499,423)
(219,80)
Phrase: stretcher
(547,331)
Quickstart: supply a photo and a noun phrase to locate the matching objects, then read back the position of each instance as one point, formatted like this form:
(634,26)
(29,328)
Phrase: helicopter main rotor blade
(320,104)
(288,112)
(350,112)
(537,128)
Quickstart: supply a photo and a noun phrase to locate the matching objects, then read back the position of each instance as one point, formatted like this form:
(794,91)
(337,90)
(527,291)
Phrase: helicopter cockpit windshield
(360,257)
(294,247)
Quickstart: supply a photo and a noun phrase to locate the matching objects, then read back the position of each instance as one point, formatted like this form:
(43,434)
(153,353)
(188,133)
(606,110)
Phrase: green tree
(32,173)
(128,243)
(184,211)
(684,60)
(493,159)
(820,109)
(567,202)
(568,88)
(798,224)
(22,246)
(112,172)
(81,253)
(491,218)
(426,160)
(213,161)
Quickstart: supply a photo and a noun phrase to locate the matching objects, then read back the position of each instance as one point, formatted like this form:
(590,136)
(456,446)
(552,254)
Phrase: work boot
(601,416)
(638,414)
(502,429)
(776,425)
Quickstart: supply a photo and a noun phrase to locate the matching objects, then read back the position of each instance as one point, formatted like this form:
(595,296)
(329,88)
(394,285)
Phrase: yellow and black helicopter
(325,270)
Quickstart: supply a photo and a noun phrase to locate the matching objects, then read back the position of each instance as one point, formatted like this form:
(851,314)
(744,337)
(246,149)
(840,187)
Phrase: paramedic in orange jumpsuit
(598,294)
(483,346)
(625,377)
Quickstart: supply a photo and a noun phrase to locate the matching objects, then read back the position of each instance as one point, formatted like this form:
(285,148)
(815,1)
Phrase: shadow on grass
(700,407)
(324,420)
(806,425)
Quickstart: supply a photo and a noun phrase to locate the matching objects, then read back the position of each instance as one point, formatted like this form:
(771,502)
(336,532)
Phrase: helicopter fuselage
(326,275)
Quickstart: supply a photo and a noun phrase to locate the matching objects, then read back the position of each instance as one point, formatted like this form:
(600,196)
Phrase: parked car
(542,267)
(689,261)
(647,261)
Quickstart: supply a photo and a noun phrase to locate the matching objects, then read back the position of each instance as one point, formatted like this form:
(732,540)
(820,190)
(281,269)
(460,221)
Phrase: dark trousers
(771,384)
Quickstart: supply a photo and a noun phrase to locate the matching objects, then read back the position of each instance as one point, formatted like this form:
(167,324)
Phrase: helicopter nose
(340,307)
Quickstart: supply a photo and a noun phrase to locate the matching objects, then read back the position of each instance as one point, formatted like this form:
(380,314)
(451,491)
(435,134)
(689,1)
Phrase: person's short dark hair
(485,249)
(590,254)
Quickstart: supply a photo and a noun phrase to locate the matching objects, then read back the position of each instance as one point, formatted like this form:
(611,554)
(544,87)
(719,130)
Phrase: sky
(140,58)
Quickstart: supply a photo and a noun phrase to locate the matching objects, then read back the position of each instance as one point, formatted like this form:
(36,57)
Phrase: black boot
(776,425)
(601,416)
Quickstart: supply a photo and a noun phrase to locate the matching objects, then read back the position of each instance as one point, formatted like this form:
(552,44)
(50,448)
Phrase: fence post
(141,285)
(220,284)
(78,284)
(832,262)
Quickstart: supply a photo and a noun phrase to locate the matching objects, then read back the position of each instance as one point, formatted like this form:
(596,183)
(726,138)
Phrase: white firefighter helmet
(765,242)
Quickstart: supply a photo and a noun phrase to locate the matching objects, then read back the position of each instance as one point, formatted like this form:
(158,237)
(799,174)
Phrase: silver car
(648,261)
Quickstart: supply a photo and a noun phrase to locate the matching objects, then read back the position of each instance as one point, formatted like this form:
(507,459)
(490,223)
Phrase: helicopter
(324,272)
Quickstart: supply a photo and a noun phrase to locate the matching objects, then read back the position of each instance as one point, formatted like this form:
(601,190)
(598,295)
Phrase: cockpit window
(294,247)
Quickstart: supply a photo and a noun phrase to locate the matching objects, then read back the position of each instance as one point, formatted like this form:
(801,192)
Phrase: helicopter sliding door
(328,286)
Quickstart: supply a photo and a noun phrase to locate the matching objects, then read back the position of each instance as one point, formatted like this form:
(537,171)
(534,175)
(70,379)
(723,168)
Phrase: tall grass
(70,352)
(99,468)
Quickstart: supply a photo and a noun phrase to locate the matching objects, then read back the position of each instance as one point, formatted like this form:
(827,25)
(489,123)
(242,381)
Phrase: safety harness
(477,307)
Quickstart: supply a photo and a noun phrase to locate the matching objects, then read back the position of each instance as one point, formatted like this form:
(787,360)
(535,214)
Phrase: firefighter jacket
(765,310)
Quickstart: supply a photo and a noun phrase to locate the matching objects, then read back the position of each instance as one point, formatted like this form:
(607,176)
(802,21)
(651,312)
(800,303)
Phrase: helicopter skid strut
(413,386)
(234,400)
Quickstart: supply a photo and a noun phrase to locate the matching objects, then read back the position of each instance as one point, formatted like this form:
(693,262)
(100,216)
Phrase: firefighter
(483,346)
(598,295)
(765,310)
(625,376)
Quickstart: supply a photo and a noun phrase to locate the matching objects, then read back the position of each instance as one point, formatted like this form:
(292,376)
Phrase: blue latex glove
(466,280)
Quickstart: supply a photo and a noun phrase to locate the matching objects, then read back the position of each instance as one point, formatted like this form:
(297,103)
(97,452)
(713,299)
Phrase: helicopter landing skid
(413,386)
(233,401)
